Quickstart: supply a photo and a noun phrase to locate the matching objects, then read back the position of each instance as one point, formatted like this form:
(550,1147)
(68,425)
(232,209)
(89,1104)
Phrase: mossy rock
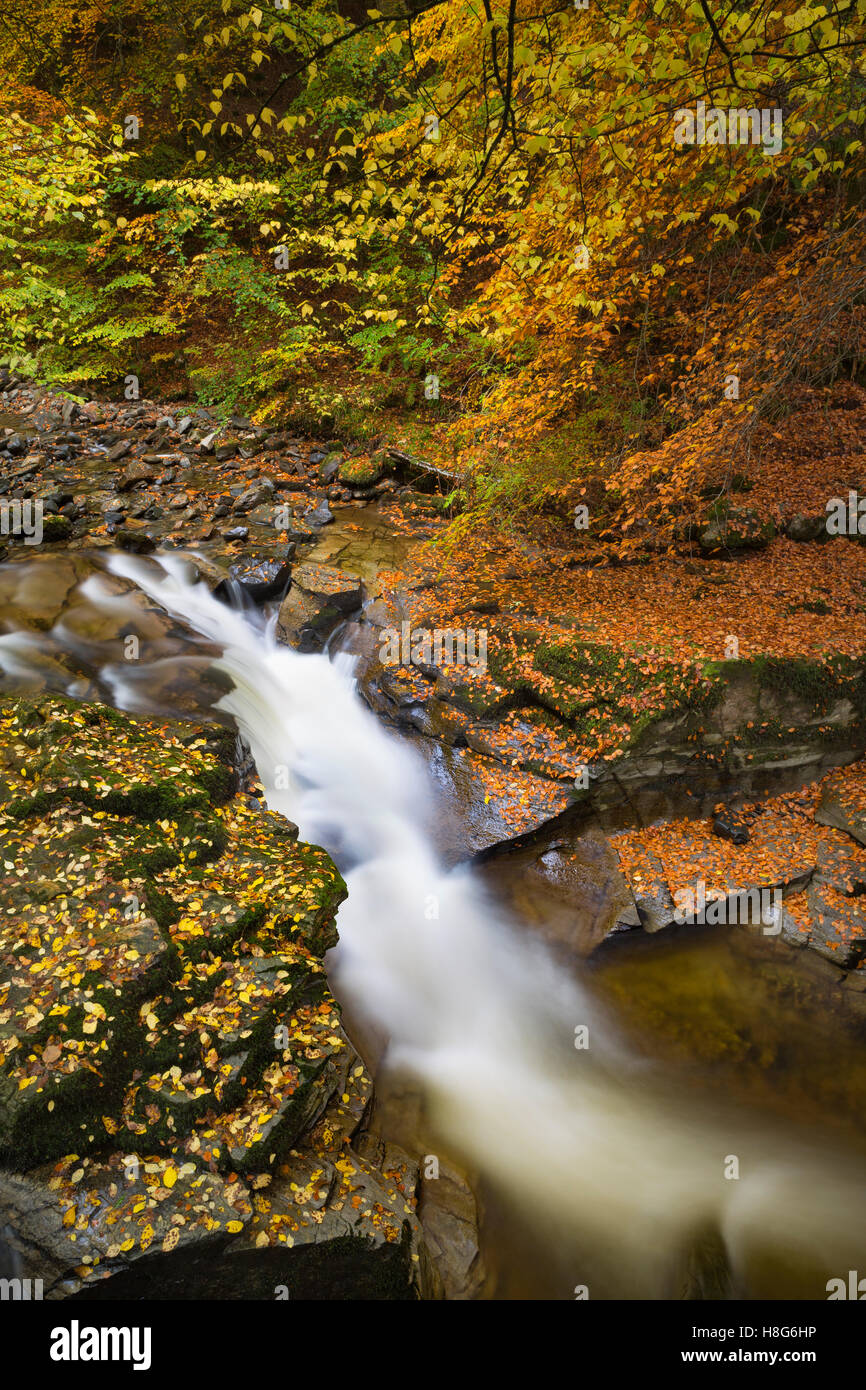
(149,910)
(364,472)
(735,529)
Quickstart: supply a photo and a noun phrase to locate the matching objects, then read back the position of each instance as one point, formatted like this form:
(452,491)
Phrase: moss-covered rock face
(171,1059)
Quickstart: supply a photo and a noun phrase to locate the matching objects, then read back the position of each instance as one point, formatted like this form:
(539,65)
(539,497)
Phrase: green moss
(364,472)
(818,684)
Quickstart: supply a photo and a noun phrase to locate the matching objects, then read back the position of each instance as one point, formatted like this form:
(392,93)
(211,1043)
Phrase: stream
(606,1168)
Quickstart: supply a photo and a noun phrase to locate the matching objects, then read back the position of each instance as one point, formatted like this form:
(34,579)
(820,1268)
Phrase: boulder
(320,597)
(736,529)
(806,528)
(137,472)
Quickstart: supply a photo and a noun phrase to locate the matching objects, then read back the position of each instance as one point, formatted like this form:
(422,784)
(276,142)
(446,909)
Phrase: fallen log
(409,463)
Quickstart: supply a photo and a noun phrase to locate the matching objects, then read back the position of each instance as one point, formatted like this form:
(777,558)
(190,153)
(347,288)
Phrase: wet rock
(58,497)
(652,896)
(251,585)
(572,891)
(840,806)
(449,1220)
(226,449)
(320,597)
(330,467)
(837,929)
(137,472)
(729,825)
(56,528)
(138,542)
(320,515)
(236,533)
(254,497)
(119,450)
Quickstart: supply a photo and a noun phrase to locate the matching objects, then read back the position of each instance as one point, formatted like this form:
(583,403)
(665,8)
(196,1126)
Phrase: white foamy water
(586,1144)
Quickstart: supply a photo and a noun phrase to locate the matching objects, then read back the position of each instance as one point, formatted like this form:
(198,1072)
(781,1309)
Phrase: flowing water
(622,1180)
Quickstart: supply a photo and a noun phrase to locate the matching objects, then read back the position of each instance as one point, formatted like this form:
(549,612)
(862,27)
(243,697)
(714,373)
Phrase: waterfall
(587,1143)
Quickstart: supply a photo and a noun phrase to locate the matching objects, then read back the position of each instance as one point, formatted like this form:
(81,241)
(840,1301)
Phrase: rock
(837,926)
(842,867)
(236,533)
(320,515)
(118,450)
(364,473)
(137,472)
(449,1219)
(806,528)
(58,497)
(572,891)
(330,467)
(253,497)
(225,449)
(138,542)
(843,804)
(320,597)
(259,571)
(253,585)
(141,1117)
(56,528)
(184,424)
(729,826)
(297,533)
(736,530)
(652,896)
(206,445)
(335,586)
(14,444)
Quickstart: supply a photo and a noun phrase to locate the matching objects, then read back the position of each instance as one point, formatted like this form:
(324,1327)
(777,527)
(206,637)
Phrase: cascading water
(609,1169)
